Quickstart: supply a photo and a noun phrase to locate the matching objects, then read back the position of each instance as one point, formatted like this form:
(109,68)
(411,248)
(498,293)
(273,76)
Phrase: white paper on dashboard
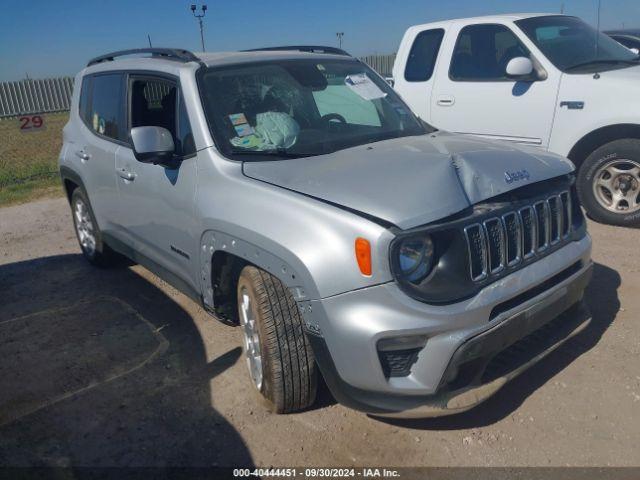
(363,86)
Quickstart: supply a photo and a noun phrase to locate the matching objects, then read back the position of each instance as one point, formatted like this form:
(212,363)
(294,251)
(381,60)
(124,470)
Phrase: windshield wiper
(603,62)
(278,152)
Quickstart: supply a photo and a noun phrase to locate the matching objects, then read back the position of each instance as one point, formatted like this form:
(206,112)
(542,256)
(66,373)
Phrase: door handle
(82,155)
(446,100)
(127,175)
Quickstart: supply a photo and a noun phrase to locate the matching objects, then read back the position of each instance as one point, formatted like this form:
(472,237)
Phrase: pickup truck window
(483,51)
(423,55)
(573,46)
(302,107)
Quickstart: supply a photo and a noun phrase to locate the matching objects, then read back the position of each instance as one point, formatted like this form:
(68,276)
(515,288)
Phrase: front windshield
(301,108)
(574,46)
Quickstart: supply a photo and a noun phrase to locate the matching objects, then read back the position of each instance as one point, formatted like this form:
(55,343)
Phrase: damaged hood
(412,181)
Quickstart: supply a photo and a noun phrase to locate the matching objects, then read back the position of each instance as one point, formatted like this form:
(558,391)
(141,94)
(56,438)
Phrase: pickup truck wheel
(609,183)
(278,354)
(87,231)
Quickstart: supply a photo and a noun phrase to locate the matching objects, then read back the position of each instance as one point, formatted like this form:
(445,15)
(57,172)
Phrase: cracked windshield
(302,108)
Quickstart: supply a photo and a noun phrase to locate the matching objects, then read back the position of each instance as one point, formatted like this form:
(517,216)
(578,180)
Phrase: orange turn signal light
(363,255)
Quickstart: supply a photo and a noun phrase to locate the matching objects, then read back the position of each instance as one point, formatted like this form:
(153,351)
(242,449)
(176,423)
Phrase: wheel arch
(599,137)
(70,181)
(222,258)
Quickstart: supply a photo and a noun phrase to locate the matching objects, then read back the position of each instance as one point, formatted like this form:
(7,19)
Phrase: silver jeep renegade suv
(292,192)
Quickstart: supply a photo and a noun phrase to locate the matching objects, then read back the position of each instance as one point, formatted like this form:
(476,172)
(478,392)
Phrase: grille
(502,242)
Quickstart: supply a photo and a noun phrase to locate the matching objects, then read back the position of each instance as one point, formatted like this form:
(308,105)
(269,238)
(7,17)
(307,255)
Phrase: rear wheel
(277,353)
(89,235)
(609,183)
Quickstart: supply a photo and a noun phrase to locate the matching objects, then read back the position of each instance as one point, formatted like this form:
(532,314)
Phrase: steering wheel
(333,116)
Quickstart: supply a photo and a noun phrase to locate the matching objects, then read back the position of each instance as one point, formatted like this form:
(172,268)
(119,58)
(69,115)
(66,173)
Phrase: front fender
(306,243)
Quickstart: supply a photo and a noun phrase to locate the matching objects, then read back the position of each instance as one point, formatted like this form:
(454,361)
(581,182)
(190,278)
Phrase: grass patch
(28,161)
(48,187)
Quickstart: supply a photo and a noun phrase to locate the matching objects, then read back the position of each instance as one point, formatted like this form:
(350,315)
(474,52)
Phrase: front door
(158,203)
(475,96)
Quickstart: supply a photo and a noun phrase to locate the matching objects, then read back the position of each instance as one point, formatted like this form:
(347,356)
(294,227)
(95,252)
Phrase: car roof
(505,17)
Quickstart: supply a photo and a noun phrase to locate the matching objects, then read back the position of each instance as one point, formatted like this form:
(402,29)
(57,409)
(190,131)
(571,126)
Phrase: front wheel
(277,352)
(609,183)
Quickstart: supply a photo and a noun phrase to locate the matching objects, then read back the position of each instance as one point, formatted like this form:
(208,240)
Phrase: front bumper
(464,360)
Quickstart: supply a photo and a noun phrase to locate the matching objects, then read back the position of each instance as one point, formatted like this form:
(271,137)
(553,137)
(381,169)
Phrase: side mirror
(152,145)
(519,67)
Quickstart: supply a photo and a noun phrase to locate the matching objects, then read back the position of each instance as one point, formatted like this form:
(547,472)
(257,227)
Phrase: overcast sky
(45,38)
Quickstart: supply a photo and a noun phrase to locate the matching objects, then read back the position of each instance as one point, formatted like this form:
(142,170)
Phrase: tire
(599,189)
(96,251)
(273,328)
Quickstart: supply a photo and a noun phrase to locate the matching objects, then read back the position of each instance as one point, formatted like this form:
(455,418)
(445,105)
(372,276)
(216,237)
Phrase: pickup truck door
(157,203)
(473,95)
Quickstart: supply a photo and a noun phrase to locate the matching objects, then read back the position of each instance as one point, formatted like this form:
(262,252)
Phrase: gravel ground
(114,367)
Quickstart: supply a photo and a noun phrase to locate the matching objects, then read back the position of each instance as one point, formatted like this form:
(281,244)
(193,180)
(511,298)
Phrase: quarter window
(482,53)
(423,54)
(85,114)
(106,113)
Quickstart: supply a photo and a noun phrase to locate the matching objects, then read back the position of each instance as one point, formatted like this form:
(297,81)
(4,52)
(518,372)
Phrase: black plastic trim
(171,278)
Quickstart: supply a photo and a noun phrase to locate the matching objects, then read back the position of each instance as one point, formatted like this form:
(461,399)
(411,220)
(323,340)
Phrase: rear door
(102,133)
(473,95)
(158,203)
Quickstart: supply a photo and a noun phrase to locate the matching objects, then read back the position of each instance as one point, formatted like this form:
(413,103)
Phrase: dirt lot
(113,367)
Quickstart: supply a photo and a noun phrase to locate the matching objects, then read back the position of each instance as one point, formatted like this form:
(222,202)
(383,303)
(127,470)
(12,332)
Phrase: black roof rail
(176,54)
(302,48)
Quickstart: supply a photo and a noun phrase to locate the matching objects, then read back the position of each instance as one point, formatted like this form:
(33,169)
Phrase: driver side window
(154,102)
(482,53)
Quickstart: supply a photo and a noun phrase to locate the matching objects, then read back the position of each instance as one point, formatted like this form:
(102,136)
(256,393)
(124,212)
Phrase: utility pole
(339,35)
(200,16)
(149,38)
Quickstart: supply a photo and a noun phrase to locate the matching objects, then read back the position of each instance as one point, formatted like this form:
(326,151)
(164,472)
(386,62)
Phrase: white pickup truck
(550,81)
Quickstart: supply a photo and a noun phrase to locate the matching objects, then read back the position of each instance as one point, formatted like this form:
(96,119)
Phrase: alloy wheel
(616,186)
(251,338)
(84,227)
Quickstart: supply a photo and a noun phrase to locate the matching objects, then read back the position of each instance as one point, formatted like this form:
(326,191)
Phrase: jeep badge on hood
(511,177)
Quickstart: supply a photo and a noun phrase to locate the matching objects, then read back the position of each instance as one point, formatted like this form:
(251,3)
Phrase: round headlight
(415,258)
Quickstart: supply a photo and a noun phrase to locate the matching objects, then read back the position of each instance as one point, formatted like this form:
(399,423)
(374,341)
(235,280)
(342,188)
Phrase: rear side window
(84,100)
(483,51)
(423,54)
(106,109)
